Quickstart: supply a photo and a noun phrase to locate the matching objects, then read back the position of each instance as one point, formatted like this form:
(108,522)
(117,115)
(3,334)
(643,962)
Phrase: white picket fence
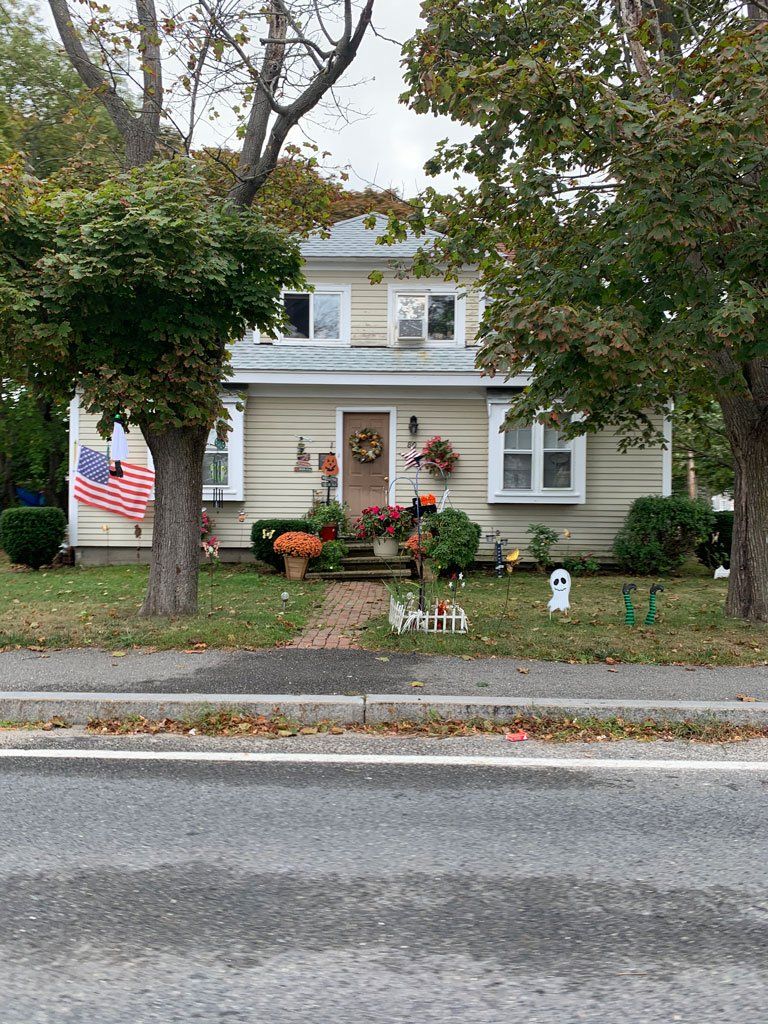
(405,616)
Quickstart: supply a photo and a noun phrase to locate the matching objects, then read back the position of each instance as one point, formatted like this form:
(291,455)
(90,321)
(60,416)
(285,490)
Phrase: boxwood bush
(454,542)
(716,549)
(32,536)
(660,533)
(265,532)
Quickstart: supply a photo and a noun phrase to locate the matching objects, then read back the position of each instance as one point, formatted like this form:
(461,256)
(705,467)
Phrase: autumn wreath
(366,445)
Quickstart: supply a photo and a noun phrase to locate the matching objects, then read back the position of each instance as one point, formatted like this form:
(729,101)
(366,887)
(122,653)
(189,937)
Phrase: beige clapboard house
(396,357)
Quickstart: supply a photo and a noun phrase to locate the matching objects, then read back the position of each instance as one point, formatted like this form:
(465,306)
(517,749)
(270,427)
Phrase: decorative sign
(560,583)
(303,458)
(328,464)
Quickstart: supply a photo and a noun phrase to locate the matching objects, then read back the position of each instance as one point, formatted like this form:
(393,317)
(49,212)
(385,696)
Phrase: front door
(365,483)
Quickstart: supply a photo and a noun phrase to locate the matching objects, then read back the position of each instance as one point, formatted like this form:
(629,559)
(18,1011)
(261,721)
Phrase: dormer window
(317,317)
(427,316)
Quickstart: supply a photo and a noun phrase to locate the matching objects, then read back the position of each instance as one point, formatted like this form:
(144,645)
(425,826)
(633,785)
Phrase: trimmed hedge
(660,533)
(716,549)
(265,532)
(32,536)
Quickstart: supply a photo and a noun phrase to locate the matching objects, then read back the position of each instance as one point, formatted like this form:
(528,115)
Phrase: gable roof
(351,238)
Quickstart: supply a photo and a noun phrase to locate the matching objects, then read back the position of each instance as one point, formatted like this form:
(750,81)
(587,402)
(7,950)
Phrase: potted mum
(386,526)
(297,549)
(329,520)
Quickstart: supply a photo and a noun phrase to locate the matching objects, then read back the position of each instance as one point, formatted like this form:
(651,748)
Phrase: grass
(538,727)
(691,627)
(98,607)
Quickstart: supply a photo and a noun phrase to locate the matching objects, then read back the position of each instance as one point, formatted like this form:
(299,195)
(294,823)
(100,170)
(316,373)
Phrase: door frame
(341,442)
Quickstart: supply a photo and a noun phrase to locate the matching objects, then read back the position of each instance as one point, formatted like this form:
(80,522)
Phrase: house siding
(276,416)
(369,323)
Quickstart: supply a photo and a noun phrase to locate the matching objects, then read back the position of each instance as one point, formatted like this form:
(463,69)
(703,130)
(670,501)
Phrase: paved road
(297,671)
(358,894)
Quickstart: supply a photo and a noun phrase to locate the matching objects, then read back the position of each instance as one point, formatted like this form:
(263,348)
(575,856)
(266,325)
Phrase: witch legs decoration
(650,618)
(629,610)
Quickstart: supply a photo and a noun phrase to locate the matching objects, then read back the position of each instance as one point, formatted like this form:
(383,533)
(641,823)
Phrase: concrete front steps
(362,564)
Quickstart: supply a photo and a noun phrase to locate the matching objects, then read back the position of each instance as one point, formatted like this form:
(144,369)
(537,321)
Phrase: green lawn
(98,607)
(691,627)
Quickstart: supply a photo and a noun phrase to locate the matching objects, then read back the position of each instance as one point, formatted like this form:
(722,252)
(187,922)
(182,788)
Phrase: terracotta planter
(385,547)
(329,532)
(295,568)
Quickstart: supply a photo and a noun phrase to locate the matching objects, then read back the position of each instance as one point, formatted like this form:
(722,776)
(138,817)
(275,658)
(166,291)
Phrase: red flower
(390,529)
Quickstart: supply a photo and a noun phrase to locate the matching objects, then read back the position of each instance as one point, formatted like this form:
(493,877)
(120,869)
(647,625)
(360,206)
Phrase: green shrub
(454,542)
(542,539)
(332,514)
(716,549)
(582,565)
(265,532)
(659,534)
(32,536)
(331,556)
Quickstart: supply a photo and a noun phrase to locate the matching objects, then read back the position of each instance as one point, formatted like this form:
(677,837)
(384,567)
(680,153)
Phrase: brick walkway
(347,606)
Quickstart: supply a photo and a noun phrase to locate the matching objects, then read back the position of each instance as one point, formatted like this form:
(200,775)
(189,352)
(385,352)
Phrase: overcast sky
(389,146)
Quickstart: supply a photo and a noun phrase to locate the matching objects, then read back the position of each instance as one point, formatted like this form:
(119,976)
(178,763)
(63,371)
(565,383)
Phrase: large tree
(618,215)
(160,76)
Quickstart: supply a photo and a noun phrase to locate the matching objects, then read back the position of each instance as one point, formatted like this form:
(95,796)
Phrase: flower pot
(329,532)
(295,568)
(385,547)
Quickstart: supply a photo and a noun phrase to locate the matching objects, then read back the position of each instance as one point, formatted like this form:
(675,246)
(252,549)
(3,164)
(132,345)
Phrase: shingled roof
(351,238)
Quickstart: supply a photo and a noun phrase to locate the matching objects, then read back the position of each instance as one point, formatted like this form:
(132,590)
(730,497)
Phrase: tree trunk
(175,566)
(748,584)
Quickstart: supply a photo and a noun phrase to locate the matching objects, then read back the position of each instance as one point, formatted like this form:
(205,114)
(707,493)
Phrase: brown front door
(365,483)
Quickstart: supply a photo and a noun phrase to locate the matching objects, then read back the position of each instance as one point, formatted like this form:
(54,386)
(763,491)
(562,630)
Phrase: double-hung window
(318,317)
(531,462)
(429,316)
(223,459)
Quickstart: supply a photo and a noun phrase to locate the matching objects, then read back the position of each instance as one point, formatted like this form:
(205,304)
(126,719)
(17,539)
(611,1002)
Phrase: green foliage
(265,532)
(540,546)
(32,536)
(134,291)
(332,514)
(582,565)
(45,111)
(624,166)
(699,429)
(331,556)
(659,534)
(716,549)
(454,541)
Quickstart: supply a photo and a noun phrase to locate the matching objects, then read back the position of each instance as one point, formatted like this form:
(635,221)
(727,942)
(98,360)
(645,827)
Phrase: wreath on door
(366,445)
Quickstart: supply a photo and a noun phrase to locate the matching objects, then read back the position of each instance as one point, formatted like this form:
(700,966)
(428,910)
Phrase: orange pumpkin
(330,466)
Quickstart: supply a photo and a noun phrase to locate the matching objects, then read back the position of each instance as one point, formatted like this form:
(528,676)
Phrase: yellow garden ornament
(512,559)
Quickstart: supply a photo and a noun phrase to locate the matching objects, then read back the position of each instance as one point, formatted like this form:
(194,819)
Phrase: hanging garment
(119,444)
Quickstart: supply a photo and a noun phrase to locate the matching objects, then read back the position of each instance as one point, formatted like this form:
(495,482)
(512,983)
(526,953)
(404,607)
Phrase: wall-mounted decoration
(366,445)
(440,455)
(303,458)
(560,584)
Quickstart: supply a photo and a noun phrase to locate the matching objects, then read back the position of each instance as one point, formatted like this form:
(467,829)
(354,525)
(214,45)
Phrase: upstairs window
(319,316)
(427,317)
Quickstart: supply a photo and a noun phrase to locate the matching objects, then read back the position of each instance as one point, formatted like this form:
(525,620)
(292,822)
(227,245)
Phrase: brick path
(347,606)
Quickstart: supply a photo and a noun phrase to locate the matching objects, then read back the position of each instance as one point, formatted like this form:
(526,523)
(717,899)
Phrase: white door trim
(341,441)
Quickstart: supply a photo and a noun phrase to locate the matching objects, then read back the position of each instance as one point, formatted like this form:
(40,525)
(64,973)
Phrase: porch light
(413,425)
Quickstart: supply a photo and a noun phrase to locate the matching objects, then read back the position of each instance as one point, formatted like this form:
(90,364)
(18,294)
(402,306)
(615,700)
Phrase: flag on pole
(125,495)
(412,456)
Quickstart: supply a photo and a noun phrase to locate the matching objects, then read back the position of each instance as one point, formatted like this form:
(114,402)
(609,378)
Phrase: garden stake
(650,618)
(629,613)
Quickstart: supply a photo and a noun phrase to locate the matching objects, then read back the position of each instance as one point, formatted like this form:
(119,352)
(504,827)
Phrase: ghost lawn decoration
(560,583)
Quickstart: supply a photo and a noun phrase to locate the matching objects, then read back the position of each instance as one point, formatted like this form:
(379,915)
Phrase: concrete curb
(78,708)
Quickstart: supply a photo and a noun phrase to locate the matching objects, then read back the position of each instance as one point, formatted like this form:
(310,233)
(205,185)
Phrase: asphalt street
(353,672)
(159,892)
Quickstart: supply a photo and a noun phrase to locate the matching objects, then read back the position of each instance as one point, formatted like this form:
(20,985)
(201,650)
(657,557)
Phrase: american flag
(125,495)
(412,456)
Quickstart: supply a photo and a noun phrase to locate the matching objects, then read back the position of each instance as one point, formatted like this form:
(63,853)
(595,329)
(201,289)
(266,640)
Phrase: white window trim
(234,491)
(538,495)
(342,447)
(460,322)
(346,317)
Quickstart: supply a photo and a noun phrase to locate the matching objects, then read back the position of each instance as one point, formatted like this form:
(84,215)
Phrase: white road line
(447,760)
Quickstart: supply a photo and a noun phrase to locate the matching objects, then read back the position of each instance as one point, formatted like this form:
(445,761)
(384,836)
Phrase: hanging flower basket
(366,445)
